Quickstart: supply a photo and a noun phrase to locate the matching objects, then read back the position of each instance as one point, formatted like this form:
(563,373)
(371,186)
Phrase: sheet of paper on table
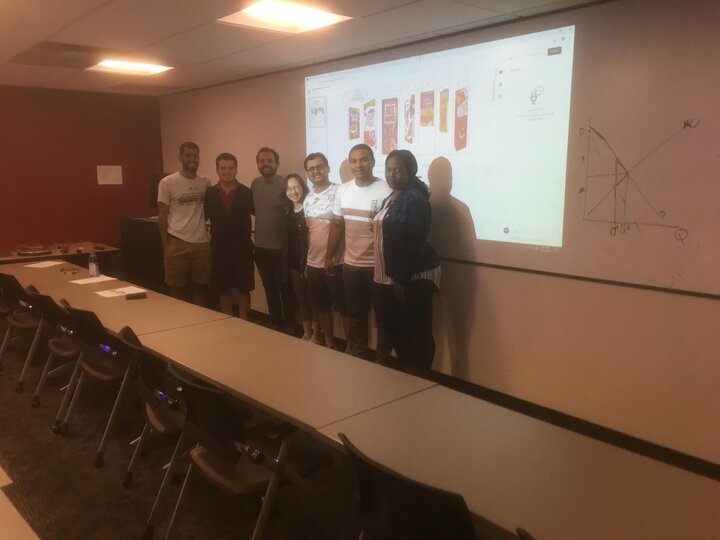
(96,279)
(122,291)
(44,264)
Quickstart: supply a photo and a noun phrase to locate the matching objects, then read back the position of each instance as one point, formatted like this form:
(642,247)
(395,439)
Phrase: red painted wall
(51,142)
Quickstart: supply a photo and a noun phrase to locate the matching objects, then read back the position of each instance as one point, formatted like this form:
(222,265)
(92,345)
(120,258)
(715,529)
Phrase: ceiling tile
(135,24)
(514,6)
(207,42)
(50,53)
(358,8)
(25,23)
(24,75)
(499,18)
(91,81)
(550,6)
(198,75)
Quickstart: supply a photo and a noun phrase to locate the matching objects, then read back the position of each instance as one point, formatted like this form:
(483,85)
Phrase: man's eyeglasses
(319,168)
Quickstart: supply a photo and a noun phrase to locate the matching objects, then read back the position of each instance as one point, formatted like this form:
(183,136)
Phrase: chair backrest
(522,534)
(46,307)
(11,292)
(91,333)
(395,507)
(150,379)
(212,418)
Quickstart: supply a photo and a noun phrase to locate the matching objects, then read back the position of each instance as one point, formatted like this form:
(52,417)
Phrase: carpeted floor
(63,496)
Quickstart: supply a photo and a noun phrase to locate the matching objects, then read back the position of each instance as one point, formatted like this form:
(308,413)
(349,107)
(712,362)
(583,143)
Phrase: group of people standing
(322,247)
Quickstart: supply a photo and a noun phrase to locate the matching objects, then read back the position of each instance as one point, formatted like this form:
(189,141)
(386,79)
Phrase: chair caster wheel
(20,387)
(99,461)
(56,427)
(128,482)
(35,402)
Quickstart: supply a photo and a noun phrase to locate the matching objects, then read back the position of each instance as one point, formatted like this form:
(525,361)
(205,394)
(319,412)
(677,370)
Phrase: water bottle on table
(93,265)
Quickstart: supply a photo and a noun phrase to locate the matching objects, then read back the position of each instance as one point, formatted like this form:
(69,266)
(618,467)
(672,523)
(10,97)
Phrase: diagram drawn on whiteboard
(612,194)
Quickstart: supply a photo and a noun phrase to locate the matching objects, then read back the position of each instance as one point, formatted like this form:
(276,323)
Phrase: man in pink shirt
(326,289)
(356,203)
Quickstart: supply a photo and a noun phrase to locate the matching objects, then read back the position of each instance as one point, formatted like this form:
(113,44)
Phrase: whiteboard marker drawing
(612,193)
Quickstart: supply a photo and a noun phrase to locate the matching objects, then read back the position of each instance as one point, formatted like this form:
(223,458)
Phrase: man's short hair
(315,155)
(225,156)
(190,145)
(267,149)
(362,146)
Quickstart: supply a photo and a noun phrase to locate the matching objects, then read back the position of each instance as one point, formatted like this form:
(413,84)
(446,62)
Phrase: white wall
(638,361)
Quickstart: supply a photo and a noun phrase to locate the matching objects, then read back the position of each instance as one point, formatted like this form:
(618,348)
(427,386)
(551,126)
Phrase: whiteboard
(642,202)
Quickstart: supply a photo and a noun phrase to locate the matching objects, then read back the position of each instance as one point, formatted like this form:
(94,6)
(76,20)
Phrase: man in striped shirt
(356,203)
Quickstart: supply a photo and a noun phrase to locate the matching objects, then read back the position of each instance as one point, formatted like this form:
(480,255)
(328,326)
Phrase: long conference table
(513,470)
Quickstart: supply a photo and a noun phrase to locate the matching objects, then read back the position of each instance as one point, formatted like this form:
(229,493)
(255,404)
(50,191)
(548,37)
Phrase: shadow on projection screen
(488,124)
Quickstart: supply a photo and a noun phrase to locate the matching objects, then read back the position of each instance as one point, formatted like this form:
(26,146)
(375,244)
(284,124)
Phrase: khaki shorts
(183,259)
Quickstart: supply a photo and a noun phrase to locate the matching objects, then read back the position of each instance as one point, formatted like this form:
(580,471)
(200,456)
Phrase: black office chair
(55,321)
(393,507)
(8,304)
(21,317)
(105,358)
(164,405)
(226,454)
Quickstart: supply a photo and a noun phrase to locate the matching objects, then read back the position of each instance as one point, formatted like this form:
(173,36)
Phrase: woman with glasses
(407,271)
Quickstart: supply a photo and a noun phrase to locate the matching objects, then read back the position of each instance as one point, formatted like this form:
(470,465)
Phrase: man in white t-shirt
(356,203)
(183,234)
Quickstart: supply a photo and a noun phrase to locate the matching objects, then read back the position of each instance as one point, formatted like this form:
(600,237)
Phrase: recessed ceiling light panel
(128,68)
(280,16)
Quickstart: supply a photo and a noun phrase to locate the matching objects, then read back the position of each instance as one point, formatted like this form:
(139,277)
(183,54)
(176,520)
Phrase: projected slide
(498,112)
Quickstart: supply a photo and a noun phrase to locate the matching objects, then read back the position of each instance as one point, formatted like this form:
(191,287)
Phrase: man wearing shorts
(184,237)
(326,289)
